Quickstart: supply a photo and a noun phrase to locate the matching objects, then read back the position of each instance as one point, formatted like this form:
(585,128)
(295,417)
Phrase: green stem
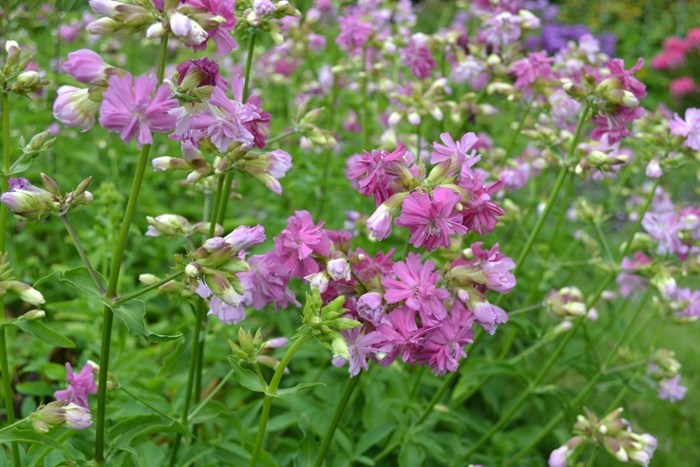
(150,406)
(563,173)
(4,363)
(137,293)
(271,392)
(117,257)
(196,348)
(211,395)
(218,195)
(81,252)
(14,424)
(350,386)
(281,136)
(249,66)
(521,123)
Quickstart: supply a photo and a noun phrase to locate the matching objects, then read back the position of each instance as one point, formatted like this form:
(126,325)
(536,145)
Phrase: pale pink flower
(86,66)
(80,385)
(136,107)
(688,128)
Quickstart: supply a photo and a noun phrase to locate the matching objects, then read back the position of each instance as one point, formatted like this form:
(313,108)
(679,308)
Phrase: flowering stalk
(271,392)
(624,339)
(561,177)
(350,385)
(560,348)
(81,252)
(4,365)
(117,256)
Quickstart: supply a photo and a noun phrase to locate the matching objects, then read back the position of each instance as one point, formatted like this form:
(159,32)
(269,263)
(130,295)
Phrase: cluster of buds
(425,99)
(600,161)
(56,413)
(30,202)
(327,322)
(173,225)
(337,269)
(612,432)
(41,142)
(568,304)
(25,292)
(305,124)
(264,15)
(15,77)
(605,94)
(192,161)
(217,263)
(250,348)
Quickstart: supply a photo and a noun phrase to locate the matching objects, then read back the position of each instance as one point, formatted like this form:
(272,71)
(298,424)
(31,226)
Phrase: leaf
(80,279)
(132,314)
(43,332)
(212,410)
(298,387)
(30,436)
(372,437)
(246,378)
(35,388)
(21,166)
(412,454)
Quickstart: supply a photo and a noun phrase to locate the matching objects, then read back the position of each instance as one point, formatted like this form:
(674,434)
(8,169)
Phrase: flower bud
(339,269)
(32,315)
(77,417)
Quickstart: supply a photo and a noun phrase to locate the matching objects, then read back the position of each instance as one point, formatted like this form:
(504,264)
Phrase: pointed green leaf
(132,314)
(298,387)
(246,378)
(30,436)
(43,332)
(80,279)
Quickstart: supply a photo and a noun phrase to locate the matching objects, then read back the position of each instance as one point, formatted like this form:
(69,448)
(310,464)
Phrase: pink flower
(378,173)
(296,244)
(628,82)
(354,33)
(431,220)
(221,33)
(480,212)
(226,313)
(489,316)
(688,128)
(244,237)
(401,332)
(417,56)
(371,307)
(136,107)
(672,390)
(79,386)
(75,108)
(673,55)
(85,66)
(416,285)
(360,348)
(457,152)
(443,345)
(682,86)
(267,283)
(203,72)
(612,127)
(627,279)
(528,69)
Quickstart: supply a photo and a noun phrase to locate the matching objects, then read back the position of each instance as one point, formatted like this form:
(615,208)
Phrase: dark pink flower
(401,332)
(296,244)
(79,386)
(378,173)
(222,33)
(628,82)
(417,56)
(460,153)
(527,70)
(443,345)
(267,283)
(354,33)
(415,283)
(682,86)
(202,71)
(612,127)
(480,212)
(135,107)
(432,219)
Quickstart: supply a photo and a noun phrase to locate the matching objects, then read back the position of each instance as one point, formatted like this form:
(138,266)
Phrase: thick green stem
(4,363)
(365,102)
(271,392)
(196,348)
(339,410)
(81,252)
(114,271)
